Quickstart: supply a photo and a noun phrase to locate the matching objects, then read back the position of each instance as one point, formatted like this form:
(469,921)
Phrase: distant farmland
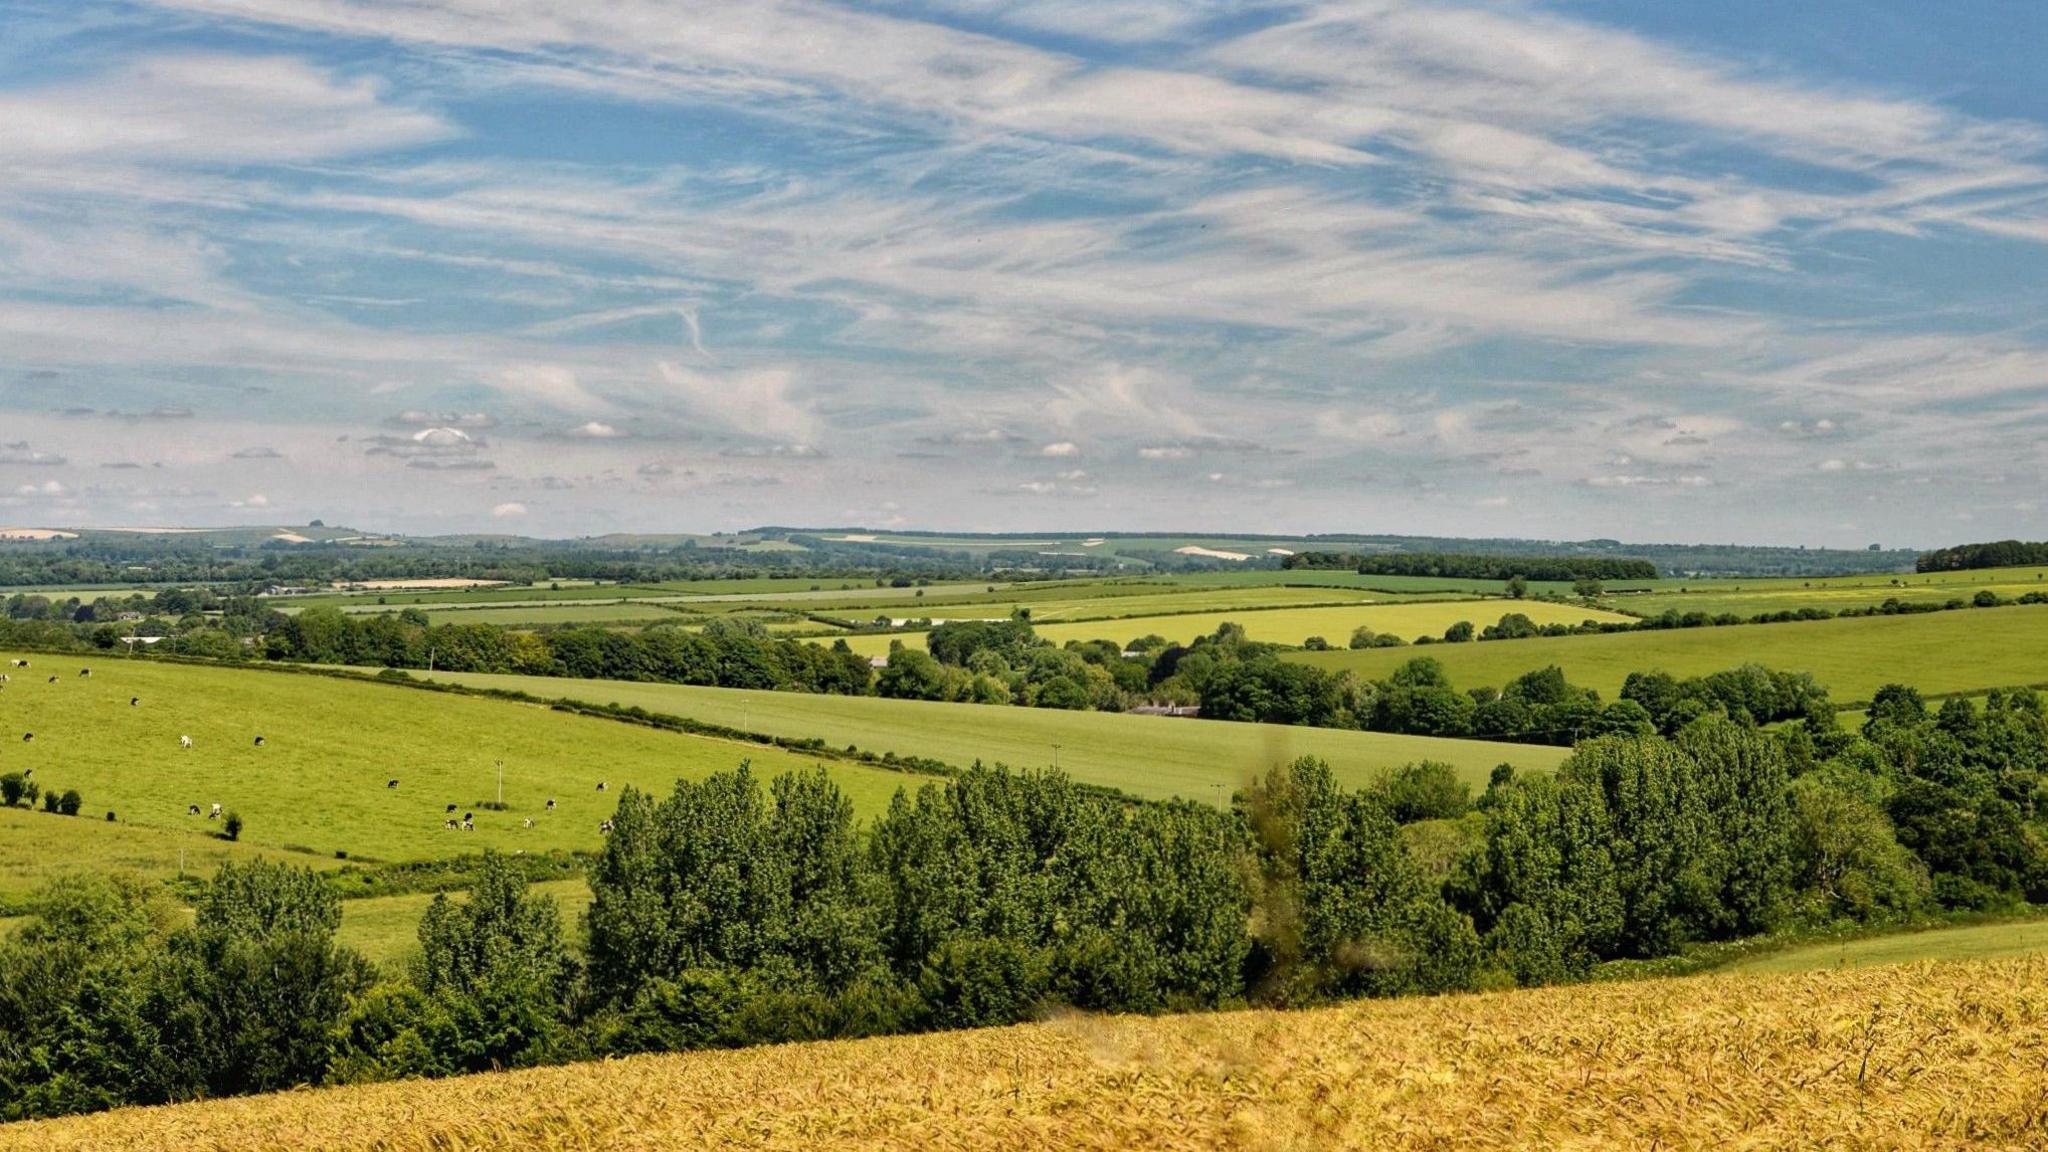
(1292,625)
(1150,756)
(1960,651)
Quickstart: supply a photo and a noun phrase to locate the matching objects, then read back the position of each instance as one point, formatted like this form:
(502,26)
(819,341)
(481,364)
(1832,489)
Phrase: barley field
(1942,1055)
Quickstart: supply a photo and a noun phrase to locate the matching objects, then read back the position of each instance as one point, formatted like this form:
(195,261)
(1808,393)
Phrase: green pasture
(1289,625)
(1751,597)
(534,615)
(330,746)
(1148,756)
(1961,651)
(37,847)
(1975,942)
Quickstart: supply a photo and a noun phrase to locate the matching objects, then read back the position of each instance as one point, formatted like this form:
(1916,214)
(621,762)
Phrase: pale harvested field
(1926,1056)
(436,582)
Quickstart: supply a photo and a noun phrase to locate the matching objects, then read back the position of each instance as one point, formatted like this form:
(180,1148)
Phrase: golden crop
(1943,1055)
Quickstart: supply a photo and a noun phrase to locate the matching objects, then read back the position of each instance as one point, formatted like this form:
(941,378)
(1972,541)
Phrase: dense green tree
(495,975)
(252,997)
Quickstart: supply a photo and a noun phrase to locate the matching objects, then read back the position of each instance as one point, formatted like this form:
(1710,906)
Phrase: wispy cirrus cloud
(1359,240)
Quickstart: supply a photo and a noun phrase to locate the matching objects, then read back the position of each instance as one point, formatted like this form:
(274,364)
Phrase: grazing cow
(215,814)
(604,826)
(391,783)
(551,803)
(468,816)
(449,808)
(134,700)
(184,742)
(27,736)
(85,671)
(259,741)
(53,679)
(27,772)
(528,823)
(600,785)
(469,825)
(448,824)
(191,809)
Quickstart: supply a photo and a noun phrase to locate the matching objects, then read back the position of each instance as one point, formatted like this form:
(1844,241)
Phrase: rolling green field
(37,847)
(330,746)
(1288,625)
(1751,597)
(1959,651)
(1149,756)
(574,612)
(1976,942)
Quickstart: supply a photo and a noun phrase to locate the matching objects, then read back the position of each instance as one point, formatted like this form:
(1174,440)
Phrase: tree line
(726,913)
(1995,554)
(1476,566)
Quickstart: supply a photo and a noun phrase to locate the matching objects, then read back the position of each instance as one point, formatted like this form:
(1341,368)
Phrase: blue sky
(1741,271)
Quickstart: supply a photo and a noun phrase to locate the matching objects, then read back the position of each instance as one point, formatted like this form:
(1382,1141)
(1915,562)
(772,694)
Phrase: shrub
(12,788)
(71,802)
(233,826)
(50,801)
(1425,791)
(110,816)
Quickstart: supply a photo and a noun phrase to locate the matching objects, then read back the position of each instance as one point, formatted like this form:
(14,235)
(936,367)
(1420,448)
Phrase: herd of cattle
(214,811)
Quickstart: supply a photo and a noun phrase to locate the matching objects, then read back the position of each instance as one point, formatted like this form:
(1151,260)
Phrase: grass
(1289,625)
(330,746)
(1147,756)
(1974,942)
(1750,597)
(530,615)
(386,928)
(1959,651)
(1929,1056)
(36,847)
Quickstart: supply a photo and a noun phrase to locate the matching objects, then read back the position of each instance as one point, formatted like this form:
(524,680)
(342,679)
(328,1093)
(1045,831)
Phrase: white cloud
(595,430)
(759,402)
(510,508)
(207,109)
(1061,448)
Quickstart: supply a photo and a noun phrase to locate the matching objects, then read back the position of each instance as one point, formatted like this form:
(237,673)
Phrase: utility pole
(1055,755)
(501,783)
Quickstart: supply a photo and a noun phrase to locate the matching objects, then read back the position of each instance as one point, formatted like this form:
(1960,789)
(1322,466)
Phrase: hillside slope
(1926,1056)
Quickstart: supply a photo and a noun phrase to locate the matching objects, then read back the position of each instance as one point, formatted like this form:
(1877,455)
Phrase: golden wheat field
(1937,1055)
